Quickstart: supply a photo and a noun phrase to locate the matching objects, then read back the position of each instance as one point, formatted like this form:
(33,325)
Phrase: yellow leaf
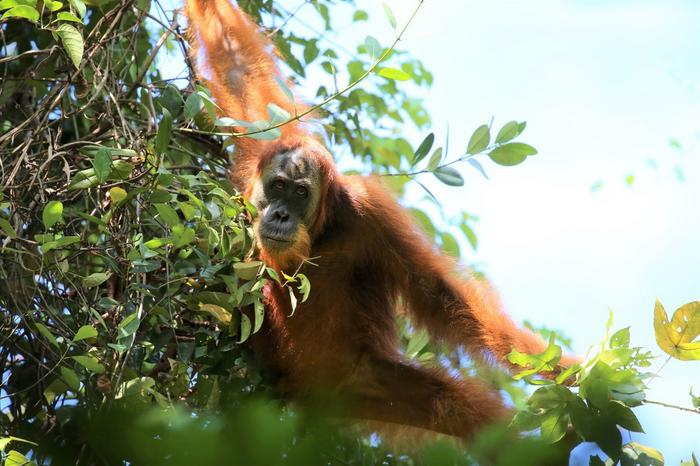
(117,194)
(676,336)
(218,312)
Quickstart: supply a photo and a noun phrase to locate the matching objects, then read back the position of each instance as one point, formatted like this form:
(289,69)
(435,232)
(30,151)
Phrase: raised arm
(233,58)
(235,61)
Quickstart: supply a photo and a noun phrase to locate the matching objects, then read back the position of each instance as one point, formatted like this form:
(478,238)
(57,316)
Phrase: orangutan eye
(278,185)
(302,191)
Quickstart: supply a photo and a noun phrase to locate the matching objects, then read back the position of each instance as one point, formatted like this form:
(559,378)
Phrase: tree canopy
(126,254)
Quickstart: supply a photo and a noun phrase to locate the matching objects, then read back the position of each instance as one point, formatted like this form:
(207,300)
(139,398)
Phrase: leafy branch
(502,152)
(389,73)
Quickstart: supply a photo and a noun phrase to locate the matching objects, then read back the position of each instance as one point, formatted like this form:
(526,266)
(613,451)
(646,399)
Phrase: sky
(605,86)
(609,89)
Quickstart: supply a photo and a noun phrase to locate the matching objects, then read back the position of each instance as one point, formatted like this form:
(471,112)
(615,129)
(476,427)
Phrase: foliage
(129,281)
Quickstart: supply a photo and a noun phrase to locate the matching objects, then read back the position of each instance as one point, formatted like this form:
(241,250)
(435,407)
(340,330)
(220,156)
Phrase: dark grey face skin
(286,197)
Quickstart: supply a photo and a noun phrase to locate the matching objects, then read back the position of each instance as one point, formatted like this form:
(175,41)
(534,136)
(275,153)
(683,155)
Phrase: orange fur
(232,57)
(342,342)
(290,258)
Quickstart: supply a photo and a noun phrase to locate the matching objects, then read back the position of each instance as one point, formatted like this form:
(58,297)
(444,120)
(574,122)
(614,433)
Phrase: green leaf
(259,313)
(277,114)
(53,5)
(171,99)
(227,121)
(608,438)
(449,176)
(165,129)
(47,334)
(245,328)
(119,348)
(623,416)
(510,131)
(193,105)
(90,363)
(167,215)
(85,332)
(544,361)
(182,236)
(6,228)
(247,270)
(418,340)
(694,399)
(582,417)
(4,441)
(423,149)
(676,336)
(393,73)
(568,373)
(52,214)
(79,7)
(469,233)
(117,194)
(129,325)
(435,159)
(476,164)
(187,209)
(479,141)
(65,16)
(285,89)
(121,170)
(102,163)
(621,338)
(95,279)
(554,425)
(15,458)
(7,4)
(311,51)
(360,15)
(373,47)
(389,15)
(512,153)
(59,243)
(449,244)
(22,11)
(135,387)
(261,130)
(70,378)
(425,222)
(304,286)
(322,9)
(84,179)
(72,42)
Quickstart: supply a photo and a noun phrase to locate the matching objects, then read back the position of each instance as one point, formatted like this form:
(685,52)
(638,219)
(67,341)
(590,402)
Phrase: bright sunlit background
(611,94)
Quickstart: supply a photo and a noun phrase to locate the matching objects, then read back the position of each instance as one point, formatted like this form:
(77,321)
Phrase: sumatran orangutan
(369,260)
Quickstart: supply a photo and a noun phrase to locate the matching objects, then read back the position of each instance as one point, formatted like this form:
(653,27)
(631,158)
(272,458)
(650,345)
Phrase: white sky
(604,86)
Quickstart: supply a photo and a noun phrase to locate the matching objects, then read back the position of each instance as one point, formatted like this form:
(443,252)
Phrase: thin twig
(668,405)
(29,53)
(288,18)
(152,56)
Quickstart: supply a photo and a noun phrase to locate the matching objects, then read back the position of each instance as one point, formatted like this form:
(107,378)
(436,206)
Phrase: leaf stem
(427,170)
